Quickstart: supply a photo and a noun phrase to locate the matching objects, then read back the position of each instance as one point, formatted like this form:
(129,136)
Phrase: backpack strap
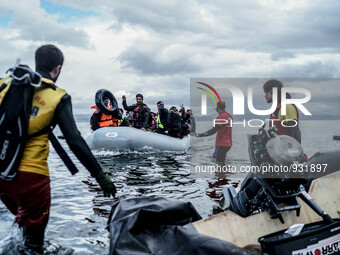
(58,148)
(48,130)
(62,153)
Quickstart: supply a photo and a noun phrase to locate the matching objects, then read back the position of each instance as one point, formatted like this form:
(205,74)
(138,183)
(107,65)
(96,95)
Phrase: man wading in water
(28,196)
(223,137)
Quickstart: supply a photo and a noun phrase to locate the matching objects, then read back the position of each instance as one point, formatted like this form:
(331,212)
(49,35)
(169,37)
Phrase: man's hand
(123,98)
(106,184)
(143,129)
(97,110)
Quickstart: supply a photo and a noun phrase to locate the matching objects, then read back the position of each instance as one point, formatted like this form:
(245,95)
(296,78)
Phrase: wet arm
(64,118)
(210,132)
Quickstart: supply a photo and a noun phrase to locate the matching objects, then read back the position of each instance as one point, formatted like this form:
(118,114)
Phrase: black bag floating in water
(158,225)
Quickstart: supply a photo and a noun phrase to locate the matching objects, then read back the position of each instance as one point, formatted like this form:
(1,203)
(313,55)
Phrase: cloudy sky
(155,47)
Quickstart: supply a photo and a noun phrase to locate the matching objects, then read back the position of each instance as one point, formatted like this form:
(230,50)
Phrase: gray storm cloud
(155,47)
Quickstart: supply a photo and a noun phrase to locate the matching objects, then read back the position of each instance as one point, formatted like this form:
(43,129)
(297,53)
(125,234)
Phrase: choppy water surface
(79,210)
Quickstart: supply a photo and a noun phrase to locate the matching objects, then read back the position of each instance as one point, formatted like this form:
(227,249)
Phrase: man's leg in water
(221,153)
(28,197)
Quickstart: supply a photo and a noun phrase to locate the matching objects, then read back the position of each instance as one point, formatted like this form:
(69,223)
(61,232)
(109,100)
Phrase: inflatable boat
(122,138)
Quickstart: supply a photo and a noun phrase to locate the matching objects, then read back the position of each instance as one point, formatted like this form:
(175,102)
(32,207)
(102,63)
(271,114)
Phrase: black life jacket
(137,117)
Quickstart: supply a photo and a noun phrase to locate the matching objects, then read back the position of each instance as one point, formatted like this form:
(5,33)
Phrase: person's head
(173,109)
(49,58)
(159,104)
(106,101)
(139,98)
(189,111)
(220,107)
(268,89)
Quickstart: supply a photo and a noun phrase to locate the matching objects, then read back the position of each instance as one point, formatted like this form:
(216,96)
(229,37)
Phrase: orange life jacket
(107,120)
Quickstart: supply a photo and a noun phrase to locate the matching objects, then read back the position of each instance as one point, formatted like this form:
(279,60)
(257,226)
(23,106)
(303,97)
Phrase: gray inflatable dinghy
(120,138)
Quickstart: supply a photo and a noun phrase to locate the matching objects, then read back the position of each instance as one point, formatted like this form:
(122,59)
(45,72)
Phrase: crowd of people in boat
(172,122)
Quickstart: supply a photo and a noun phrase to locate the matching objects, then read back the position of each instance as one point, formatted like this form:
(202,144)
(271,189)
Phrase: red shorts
(28,197)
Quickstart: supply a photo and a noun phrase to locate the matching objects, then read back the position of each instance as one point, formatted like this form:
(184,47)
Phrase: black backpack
(15,109)
(16,94)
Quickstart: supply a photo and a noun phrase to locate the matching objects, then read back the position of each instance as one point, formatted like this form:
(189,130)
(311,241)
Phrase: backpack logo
(35,110)
(4,150)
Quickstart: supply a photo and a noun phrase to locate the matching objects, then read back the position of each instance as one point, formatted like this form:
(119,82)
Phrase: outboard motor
(279,191)
(270,186)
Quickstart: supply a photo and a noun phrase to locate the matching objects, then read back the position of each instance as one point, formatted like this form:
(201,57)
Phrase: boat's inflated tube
(100,102)
(121,138)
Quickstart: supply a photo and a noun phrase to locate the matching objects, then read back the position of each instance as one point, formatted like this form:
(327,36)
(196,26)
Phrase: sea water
(79,211)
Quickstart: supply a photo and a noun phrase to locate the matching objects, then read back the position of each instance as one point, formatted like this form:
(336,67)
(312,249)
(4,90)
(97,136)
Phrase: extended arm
(209,132)
(126,107)
(64,117)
